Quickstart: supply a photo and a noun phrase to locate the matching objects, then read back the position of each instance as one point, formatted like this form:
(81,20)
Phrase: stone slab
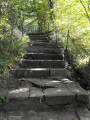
(58,72)
(34,115)
(43,56)
(59,96)
(44,44)
(43,63)
(40,40)
(21,93)
(44,50)
(16,115)
(68,115)
(83,113)
(31,73)
(39,72)
(43,82)
(34,38)
(80,94)
(3,116)
(36,92)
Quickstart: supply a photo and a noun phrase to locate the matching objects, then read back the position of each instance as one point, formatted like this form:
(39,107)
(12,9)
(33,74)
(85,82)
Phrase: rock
(59,96)
(43,83)
(80,94)
(36,92)
(83,113)
(20,94)
(58,72)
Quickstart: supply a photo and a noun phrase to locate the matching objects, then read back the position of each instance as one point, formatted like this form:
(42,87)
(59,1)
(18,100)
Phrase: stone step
(44,47)
(83,113)
(44,44)
(37,34)
(44,50)
(53,96)
(50,92)
(39,72)
(42,63)
(40,41)
(25,110)
(43,56)
(38,37)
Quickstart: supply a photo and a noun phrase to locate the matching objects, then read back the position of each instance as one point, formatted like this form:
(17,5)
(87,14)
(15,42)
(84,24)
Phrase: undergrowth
(11,47)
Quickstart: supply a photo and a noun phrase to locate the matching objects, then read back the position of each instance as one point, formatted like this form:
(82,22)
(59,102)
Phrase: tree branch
(85,10)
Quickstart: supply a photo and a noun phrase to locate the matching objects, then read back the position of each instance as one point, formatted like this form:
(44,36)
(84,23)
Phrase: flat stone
(43,82)
(45,44)
(16,115)
(83,113)
(44,50)
(39,72)
(34,115)
(59,96)
(21,93)
(68,115)
(3,116)
(31,73)
(43,63)
(36,92)
(81,95)
(57,72)
(43,56)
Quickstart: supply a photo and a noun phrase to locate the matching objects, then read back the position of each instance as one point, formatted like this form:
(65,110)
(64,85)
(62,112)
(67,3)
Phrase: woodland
(67,22)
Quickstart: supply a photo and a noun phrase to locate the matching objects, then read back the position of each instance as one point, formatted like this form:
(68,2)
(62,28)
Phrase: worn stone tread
(20,93)
(43,63)
(83,113)
(43,82)
(39,72)
(60,95)
(81,94)
(43,56)
(44,44)
(68,115)
(43,115)
(44,50)
(35,92)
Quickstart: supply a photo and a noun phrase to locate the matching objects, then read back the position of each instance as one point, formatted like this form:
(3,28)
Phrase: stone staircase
(43,70)
(43,78)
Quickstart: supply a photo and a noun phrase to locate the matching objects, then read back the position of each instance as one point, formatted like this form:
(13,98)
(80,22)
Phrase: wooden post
(56,36)
(89,64)
(88,71)
(48,27)
(23,27)
(67,40)
(0,11)
(12,31)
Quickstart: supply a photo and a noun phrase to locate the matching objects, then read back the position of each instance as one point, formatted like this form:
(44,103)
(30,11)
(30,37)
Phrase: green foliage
(2,99)
(67,15)
(8,52)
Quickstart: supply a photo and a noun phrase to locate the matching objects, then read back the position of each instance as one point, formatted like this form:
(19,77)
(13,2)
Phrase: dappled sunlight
(19,90)
(38,69)
(65,80)
(59,90)
(84,61)
(77,90)
(16,117)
